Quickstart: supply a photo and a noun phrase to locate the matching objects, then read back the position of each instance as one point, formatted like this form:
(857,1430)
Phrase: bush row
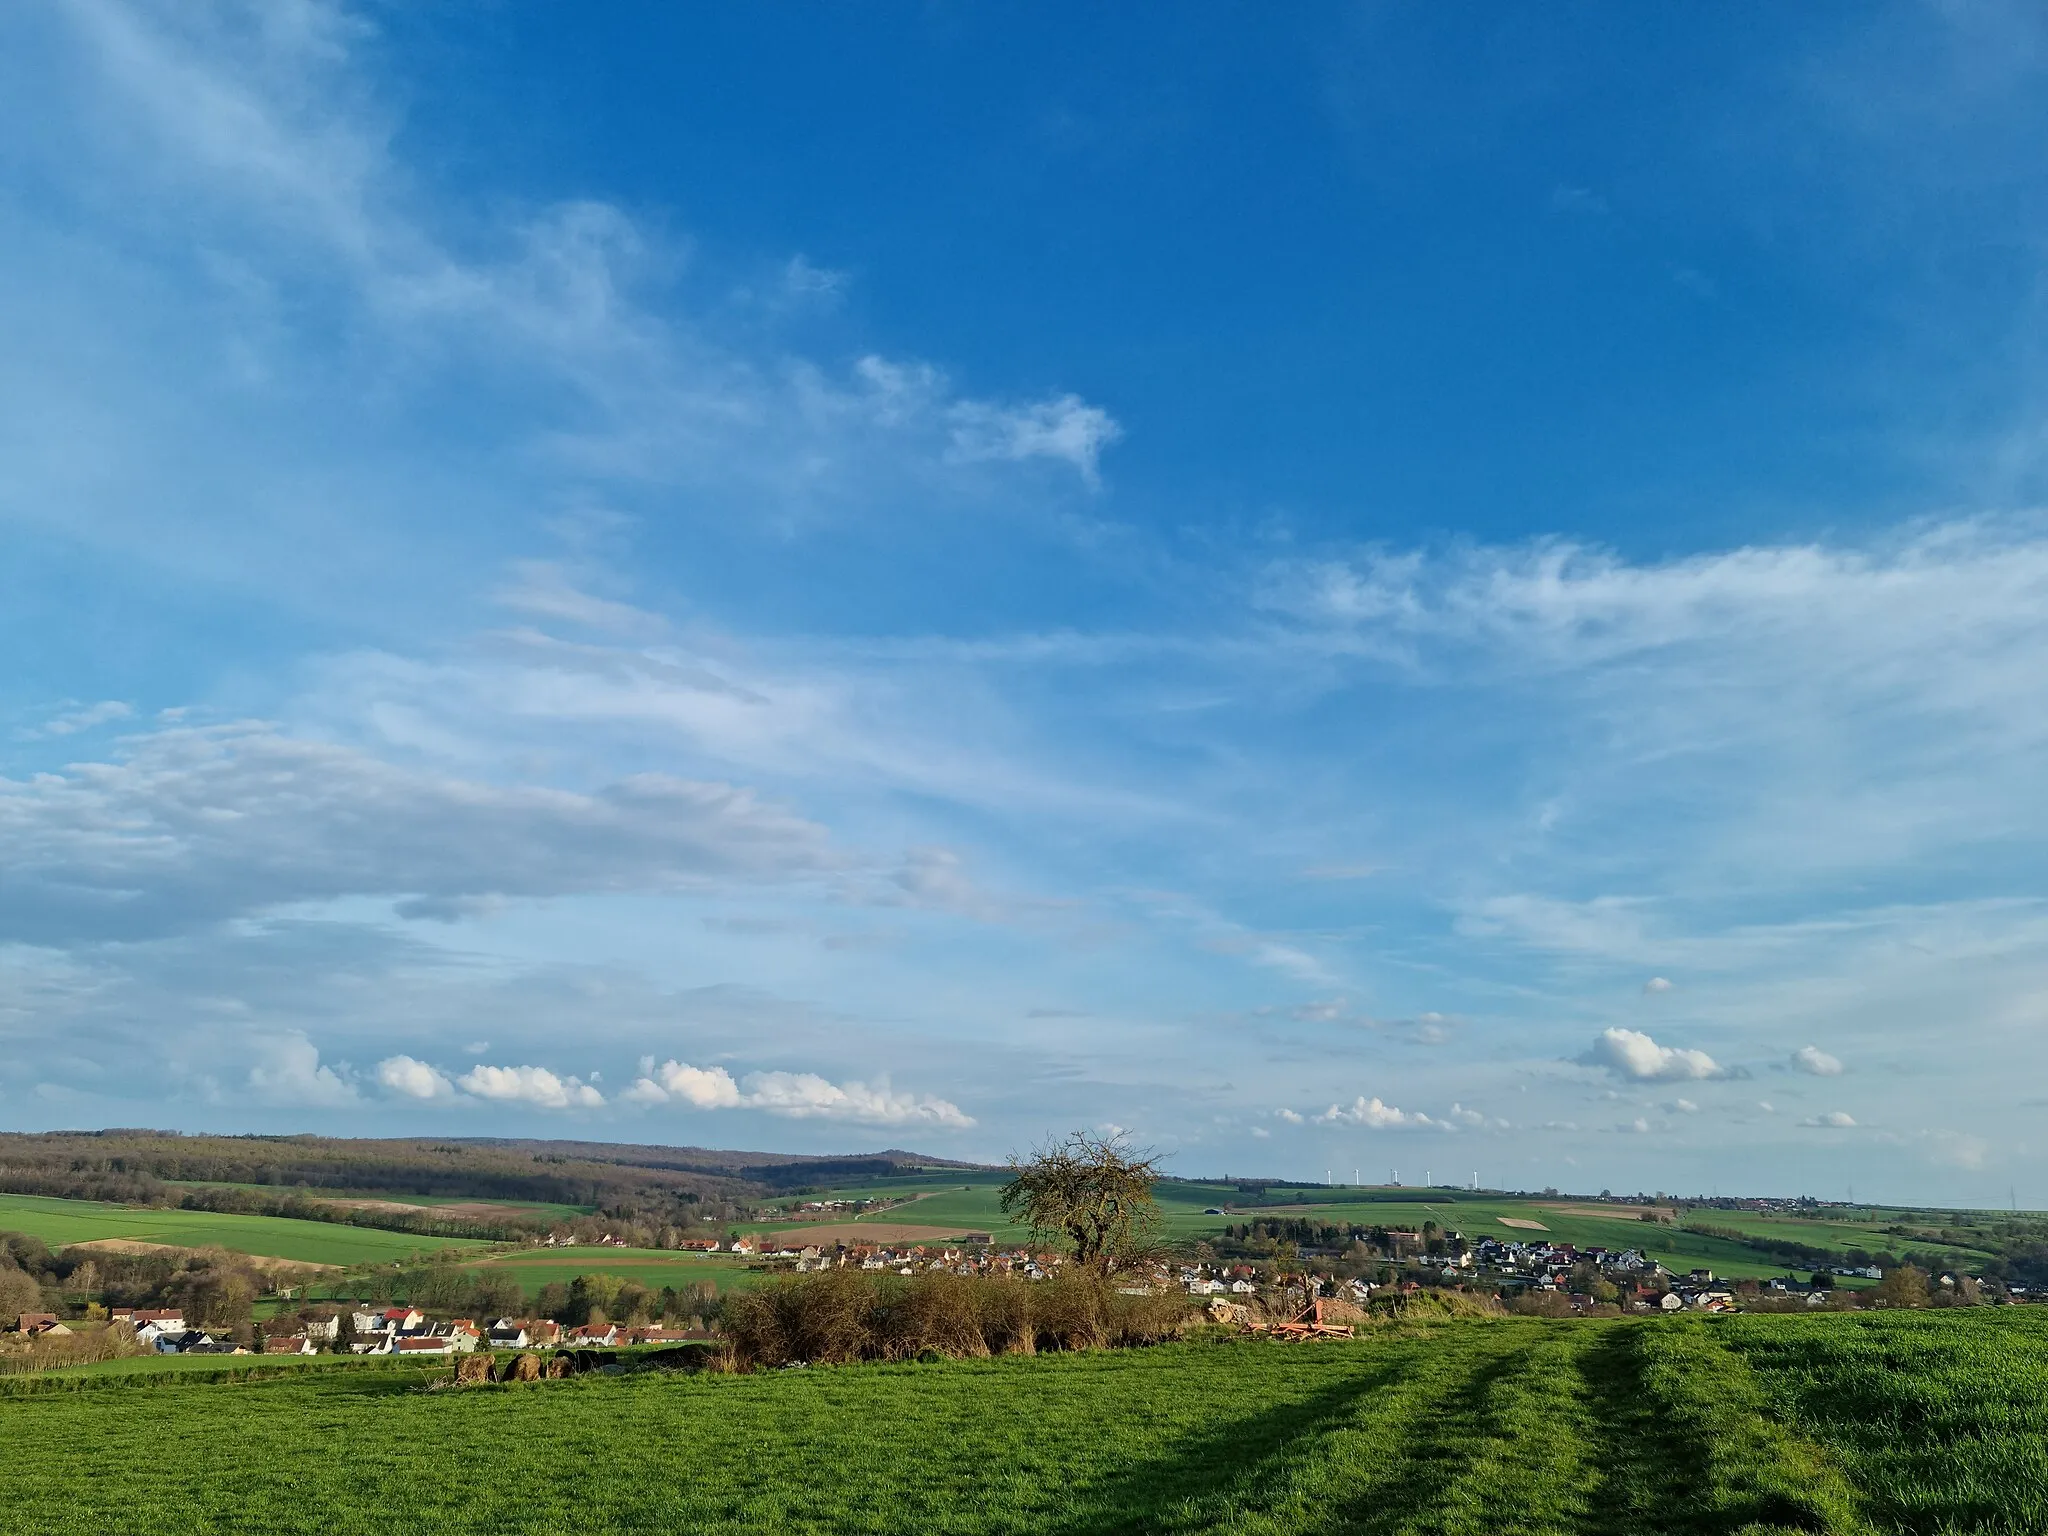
(845,1315)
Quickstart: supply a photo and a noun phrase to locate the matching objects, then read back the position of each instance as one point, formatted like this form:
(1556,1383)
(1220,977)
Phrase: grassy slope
(1709,1428)
(58,1222)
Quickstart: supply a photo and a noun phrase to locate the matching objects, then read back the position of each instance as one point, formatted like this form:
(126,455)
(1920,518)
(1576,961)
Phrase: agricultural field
(952,1201)
(651,1267)
(1866,1425)
(63,1222)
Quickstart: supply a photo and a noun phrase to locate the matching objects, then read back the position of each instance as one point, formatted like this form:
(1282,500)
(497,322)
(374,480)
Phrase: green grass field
(960,1201)
(651,1267)
(1873,1425)
(61,1222)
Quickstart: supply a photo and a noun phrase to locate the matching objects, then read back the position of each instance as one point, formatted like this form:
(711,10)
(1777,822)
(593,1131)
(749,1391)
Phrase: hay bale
(472,1370)
(521,1367)
(560,1369)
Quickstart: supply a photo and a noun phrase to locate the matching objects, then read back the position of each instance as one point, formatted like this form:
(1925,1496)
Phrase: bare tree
(1092,1193)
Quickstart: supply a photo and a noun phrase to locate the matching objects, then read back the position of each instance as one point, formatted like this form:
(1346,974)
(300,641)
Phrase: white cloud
(529,1085)
(1066,428)
(1375,1115)
(1632,1054)
(1812,1059)
(289,1071)
(413,1079)
(1636,1127)
(1682,1107)
(796,1095)
(1291,1116)
(1766,1106)
(545,590)
(1833,1120)
(1657,984)
(699,1087)
(72,721)
(804,1095)
(197,825)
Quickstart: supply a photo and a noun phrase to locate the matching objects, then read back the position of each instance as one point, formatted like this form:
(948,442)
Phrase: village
(1557,1278)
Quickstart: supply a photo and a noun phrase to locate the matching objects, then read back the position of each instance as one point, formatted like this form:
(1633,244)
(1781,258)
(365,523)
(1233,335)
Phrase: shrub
(844,1315)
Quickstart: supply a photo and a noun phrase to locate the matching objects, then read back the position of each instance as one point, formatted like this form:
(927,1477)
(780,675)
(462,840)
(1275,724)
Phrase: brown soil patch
(268,1265)
(1522,1222)
(853,1233)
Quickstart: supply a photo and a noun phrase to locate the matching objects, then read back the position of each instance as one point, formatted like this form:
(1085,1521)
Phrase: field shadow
(1658,1476)
(1254,1465)
(1235,1465)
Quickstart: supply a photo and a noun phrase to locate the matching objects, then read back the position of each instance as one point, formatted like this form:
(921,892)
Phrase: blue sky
(1361,588)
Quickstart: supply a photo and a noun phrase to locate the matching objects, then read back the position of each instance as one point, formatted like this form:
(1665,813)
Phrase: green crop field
(1879,1423)
(651,1267)
(60,1222)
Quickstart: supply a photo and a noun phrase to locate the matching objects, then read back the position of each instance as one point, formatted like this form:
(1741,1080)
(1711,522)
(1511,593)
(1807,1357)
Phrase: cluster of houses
(407,1331)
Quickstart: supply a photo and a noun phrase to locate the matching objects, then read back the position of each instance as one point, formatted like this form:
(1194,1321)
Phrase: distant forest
(655,1190)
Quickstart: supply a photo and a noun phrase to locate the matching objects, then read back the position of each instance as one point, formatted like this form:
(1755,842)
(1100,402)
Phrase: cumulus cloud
(805,1095)
(1636,1127)
(529,1085)
(1291,1116)
(289,1071)
(1657,984)
(1682,1107)
(1833,1120)
(1812,1059)
(1632,1054)
(796,1095)
(699,1087)
(1375,1115)
(200,825)
(412,1079)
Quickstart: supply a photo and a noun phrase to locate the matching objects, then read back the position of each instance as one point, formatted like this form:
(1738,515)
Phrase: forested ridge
(298,1175)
